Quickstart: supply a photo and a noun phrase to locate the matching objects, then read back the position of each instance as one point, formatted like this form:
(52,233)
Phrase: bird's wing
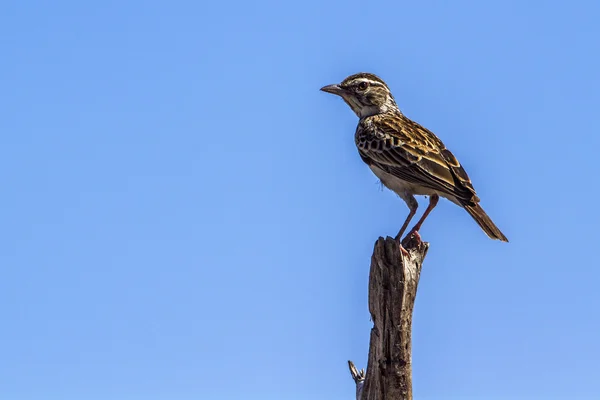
(405,149)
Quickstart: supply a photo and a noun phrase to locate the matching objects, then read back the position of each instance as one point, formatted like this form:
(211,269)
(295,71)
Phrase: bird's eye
(363,85)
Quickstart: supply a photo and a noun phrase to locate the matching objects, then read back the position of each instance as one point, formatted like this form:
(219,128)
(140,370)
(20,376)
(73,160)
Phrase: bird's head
(366,94)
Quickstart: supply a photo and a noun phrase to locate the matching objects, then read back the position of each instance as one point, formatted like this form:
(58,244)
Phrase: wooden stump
(393,282)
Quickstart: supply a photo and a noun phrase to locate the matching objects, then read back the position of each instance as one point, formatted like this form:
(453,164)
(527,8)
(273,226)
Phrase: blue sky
(184,215)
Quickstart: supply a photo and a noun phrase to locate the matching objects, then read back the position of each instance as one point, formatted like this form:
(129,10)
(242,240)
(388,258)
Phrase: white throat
(368,111)
(372,110)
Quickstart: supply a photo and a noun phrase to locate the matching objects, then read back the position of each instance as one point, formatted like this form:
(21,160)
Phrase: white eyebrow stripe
(369,81)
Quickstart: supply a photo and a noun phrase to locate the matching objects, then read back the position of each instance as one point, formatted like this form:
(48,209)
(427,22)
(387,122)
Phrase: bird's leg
(433,200)
(412,204)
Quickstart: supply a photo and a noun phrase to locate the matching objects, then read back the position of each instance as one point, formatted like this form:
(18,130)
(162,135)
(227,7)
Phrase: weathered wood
(393,282)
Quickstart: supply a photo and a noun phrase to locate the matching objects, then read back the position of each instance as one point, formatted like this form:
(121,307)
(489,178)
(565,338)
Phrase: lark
(408,158)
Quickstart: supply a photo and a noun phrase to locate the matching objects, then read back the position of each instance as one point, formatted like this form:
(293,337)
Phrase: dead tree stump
(393,282)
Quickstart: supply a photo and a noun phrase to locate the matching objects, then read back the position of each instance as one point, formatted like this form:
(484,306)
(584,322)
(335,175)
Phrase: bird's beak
(333,89)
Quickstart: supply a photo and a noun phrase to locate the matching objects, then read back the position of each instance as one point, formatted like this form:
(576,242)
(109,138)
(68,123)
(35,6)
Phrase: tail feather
(485,222)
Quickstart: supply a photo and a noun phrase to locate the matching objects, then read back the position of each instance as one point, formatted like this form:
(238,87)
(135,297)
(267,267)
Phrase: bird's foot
(411,235)
(402,249)
(417,235)
(412,240)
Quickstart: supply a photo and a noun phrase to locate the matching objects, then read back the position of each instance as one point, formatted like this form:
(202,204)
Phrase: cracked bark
(393,282)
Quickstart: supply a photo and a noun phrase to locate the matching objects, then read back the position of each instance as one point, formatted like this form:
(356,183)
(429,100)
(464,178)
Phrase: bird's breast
(401,187)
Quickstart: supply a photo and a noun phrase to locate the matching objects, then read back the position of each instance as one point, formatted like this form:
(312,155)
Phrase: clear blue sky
(185,216)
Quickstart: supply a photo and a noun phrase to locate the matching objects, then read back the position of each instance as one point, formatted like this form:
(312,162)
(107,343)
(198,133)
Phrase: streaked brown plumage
(408,158)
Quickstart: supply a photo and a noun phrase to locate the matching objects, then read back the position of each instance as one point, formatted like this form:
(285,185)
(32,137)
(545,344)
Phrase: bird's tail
(485,222)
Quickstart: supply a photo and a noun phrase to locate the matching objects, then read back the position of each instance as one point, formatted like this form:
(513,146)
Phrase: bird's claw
(416,235)
(404,251)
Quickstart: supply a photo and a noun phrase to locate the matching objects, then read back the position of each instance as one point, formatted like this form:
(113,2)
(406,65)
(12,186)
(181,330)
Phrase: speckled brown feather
(405,149)
(411,152)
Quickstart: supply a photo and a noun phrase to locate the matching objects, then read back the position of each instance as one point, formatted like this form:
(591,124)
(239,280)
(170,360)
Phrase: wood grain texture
(393,282)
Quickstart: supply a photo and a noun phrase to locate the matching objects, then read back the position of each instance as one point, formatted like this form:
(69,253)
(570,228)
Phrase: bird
(406,157)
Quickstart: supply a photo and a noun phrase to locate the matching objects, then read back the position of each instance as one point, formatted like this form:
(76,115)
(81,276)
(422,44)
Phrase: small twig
(359,378)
